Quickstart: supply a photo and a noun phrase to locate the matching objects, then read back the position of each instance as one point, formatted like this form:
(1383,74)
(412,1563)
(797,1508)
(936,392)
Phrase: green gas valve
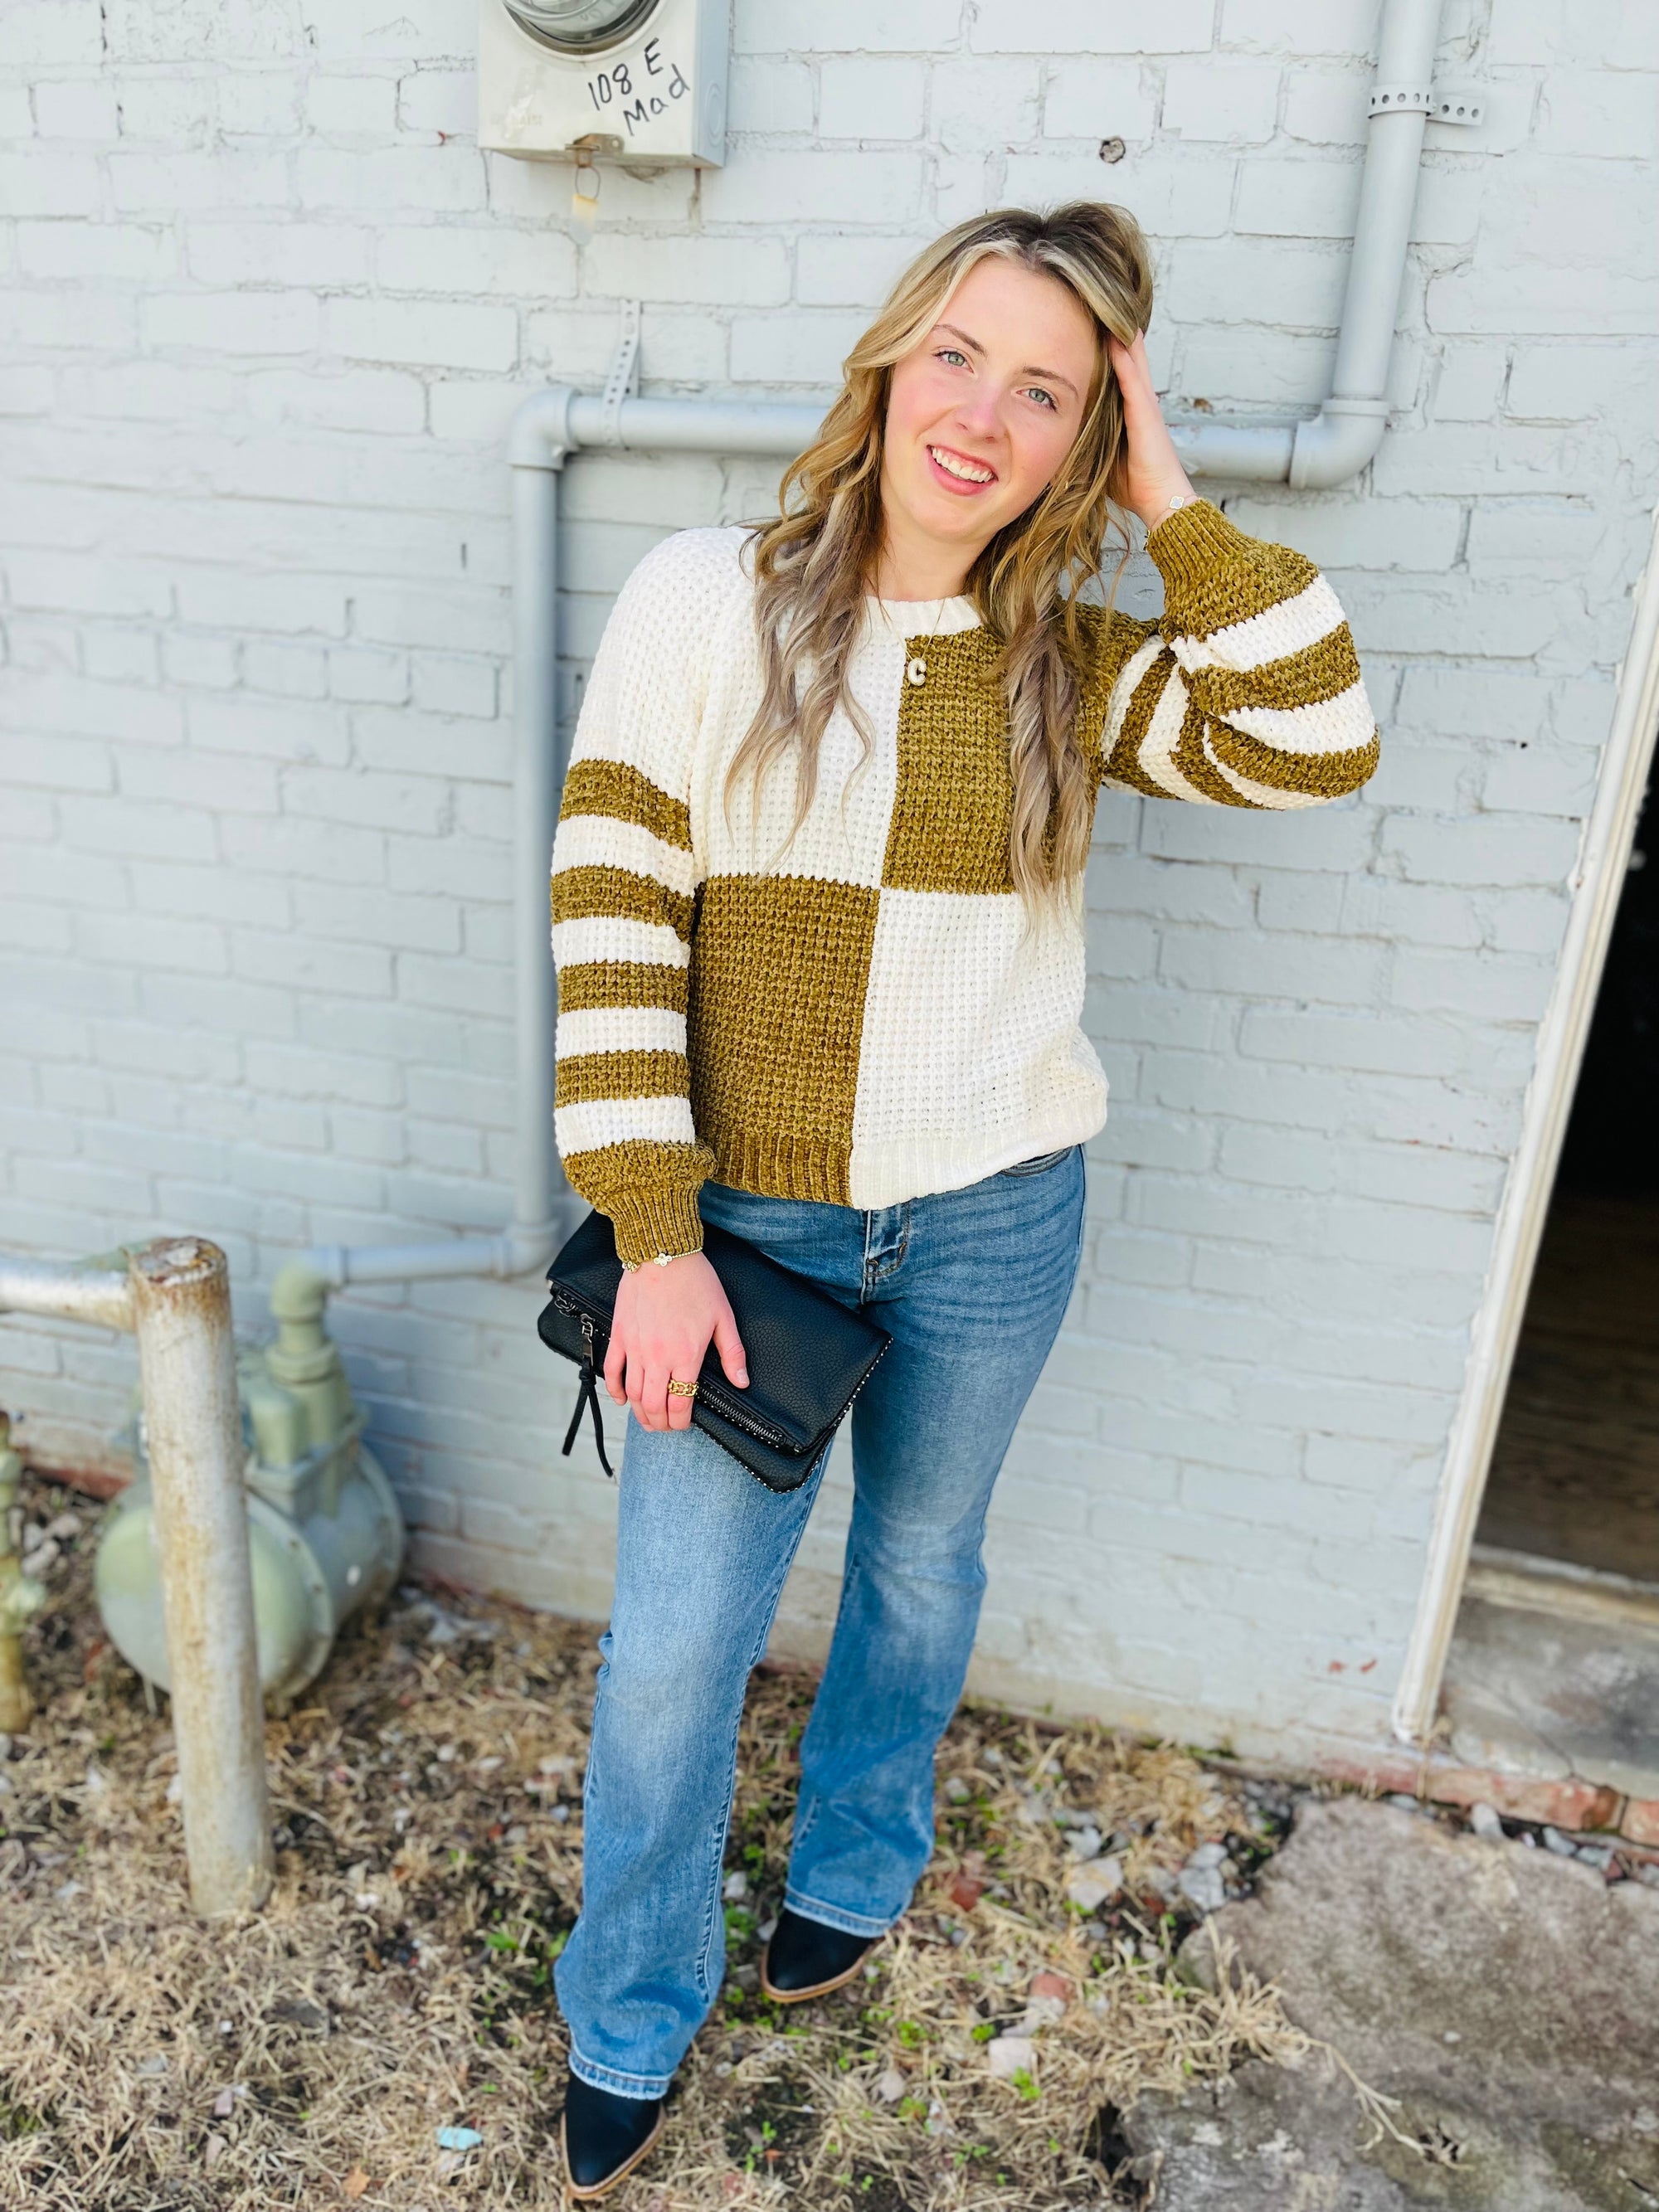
(325,1534)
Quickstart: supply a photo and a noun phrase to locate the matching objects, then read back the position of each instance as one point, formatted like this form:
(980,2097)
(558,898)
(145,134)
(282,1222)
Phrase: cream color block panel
(844,835)
(941,1103)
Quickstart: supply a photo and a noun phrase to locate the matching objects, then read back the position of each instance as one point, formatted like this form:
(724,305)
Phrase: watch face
(582,27)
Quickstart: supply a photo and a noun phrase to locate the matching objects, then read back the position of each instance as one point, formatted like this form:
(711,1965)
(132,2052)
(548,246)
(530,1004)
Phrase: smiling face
(980,415)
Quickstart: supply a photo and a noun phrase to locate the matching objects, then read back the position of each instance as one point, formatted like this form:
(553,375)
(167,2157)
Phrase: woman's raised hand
(665,1320)
(1152,473)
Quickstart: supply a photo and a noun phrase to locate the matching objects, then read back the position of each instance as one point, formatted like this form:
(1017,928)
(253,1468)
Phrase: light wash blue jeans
(972,1285)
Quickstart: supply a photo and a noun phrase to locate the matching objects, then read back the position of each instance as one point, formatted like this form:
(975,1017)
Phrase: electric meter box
(640,81)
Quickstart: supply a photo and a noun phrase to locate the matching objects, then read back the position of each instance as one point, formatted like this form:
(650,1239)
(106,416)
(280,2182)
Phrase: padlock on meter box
(641,82)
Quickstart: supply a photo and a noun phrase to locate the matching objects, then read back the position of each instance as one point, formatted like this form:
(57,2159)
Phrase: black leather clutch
(809,1355)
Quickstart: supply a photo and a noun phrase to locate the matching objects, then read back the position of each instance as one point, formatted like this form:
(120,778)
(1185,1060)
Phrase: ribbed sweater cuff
(647,1222)
(1192,544)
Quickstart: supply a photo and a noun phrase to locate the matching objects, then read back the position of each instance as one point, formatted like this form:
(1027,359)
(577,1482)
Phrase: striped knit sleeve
(1247,690)
(623,879)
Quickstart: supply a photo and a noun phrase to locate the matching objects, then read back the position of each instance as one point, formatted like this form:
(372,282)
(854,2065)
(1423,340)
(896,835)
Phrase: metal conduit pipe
(551,424)
(94,1293)
(535,1231)
(1348,429)
(174,1295)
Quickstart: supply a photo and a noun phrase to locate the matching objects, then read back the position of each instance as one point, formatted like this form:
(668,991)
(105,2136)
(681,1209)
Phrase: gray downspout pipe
(537,773)
(555,422)
(540,439)
(1348,429)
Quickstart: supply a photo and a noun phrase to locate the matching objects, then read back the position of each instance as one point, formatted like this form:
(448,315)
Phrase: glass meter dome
(580,27)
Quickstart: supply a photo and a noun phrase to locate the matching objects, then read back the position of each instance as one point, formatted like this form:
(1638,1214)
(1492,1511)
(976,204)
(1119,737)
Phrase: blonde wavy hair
(815,562)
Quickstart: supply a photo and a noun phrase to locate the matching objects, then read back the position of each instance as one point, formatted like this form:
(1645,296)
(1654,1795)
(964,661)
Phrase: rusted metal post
(175,1295)
(19,1597)
(194,1435)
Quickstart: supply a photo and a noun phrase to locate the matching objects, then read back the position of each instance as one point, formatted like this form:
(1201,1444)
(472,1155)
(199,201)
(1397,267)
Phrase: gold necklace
(915,669)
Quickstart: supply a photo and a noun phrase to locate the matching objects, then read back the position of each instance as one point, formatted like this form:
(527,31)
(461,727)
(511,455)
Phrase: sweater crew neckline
(923,618)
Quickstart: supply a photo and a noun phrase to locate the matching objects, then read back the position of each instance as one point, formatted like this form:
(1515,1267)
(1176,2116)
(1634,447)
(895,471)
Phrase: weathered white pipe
(67,1293)
(175,1295)
(193,1439)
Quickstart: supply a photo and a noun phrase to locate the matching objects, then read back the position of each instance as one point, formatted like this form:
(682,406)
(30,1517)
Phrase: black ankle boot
(604,2136)
(805,1959)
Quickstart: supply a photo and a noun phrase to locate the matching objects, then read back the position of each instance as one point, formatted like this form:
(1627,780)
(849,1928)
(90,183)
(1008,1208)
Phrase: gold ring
(682,1389)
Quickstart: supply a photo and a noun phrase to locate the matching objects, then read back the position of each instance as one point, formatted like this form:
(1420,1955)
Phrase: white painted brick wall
(266,312)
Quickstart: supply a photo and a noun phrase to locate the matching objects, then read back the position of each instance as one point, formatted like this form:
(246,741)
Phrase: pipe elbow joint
(540,436)
(1337,443)
(300,1288)
(528,1246)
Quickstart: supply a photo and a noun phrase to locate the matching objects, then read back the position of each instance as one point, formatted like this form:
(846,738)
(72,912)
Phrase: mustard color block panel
(776,1015)
(954,800)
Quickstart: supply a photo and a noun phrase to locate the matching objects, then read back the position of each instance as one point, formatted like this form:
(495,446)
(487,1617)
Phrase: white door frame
(1597,880)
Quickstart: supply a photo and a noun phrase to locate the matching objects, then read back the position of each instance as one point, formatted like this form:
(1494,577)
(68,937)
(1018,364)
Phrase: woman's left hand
(1152,472)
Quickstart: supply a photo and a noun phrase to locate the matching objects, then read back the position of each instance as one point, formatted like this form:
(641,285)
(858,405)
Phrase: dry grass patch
(399,1982)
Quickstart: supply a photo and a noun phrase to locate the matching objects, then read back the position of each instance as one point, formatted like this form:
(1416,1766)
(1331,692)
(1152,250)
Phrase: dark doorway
(1574,1475)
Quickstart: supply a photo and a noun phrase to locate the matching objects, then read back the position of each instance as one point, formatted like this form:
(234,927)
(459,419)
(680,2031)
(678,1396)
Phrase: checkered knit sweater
(865,1017)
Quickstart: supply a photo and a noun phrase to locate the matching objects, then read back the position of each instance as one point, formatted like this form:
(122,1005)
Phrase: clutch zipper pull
(587,1394)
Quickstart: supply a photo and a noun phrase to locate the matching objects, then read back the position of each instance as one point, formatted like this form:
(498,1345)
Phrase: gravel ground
(385,2034)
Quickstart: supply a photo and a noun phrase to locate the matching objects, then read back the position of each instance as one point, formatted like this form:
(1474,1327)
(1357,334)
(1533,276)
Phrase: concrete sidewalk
(1507,1998)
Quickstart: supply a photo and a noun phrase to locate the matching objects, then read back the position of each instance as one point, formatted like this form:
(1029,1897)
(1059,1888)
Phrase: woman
(817,918)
